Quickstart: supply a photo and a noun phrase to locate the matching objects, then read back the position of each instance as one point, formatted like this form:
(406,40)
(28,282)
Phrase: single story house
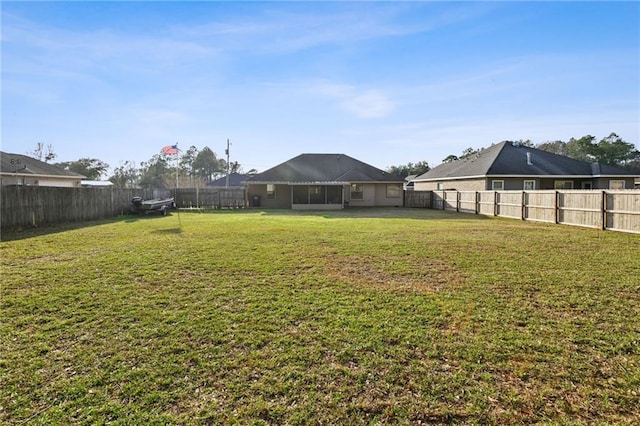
(324,181)
(18,169)
(512,166)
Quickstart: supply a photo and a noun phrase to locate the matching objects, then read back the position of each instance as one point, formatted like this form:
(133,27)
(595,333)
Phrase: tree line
(194,167)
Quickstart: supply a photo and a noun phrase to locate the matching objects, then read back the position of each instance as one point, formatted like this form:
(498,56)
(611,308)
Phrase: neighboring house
(17,169)
(408,182)
(324,181)
(236,181)
(96,183)
(511,166)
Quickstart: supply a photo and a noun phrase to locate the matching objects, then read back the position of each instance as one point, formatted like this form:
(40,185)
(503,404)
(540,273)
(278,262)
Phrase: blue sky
(385,82)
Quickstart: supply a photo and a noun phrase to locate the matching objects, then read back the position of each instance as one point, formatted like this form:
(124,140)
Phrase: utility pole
(228,165)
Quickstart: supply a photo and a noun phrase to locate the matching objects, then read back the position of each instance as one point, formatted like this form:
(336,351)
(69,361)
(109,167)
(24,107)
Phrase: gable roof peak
(325,168)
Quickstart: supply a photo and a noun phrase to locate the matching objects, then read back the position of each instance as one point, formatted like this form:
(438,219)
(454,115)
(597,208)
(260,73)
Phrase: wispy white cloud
(279,30)
(368,104)
(52,49)
(360,102)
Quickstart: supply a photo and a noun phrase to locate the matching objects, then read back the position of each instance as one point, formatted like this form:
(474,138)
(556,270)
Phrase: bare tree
(43,153)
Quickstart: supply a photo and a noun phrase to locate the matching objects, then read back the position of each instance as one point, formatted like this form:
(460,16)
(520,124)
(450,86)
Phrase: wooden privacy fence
(609,210)
(32,206)
(215,198)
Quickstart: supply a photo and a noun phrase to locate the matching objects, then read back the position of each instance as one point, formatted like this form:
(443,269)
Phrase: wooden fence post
(477,204)
(556,206)
(604,210)
(523,212)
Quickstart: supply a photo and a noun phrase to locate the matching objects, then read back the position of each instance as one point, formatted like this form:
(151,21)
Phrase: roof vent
(529,163)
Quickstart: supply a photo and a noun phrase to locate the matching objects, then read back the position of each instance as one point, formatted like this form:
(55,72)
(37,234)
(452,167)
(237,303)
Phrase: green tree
(207,165)
(465,154)
(610,150)
(125,175)
(409,169)
(92,168)
(156,173)
(522,142)
(556,147)
(187,160)
(469,152)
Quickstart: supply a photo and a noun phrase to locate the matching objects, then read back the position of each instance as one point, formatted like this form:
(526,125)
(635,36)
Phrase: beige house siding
(516,184)
(35,180)
(282,198)
(368,196)
(375,195)
(382,199)
(604,183)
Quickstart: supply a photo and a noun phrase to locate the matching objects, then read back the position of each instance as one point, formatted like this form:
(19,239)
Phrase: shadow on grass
(351,212)
(168,231)
(31,232)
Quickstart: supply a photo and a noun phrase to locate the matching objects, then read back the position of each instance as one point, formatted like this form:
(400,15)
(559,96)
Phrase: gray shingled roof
(24,165)
(235,179)
(507,159)
(324,168)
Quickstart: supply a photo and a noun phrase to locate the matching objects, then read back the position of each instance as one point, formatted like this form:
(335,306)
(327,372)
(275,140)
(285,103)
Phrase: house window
(529,185)
(357,191)
(562,184)
(440,186)
(587,185)
(394,190)
(271,191)
(497,185)
(616,184)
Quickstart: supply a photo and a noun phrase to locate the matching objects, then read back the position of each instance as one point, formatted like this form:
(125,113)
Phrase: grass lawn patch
(361,316)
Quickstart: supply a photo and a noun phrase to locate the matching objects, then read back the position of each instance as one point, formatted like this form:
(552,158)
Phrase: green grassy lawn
(386,316)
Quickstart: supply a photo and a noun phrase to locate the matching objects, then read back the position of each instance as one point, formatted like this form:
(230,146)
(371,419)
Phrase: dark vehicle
(157,205)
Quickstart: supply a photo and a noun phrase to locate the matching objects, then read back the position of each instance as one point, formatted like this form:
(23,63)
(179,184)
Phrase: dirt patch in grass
(395,274)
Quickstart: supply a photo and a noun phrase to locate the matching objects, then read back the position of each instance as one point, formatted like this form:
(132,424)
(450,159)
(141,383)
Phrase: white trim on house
(331,182)
(442,178)
(41,176)
(448,178)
